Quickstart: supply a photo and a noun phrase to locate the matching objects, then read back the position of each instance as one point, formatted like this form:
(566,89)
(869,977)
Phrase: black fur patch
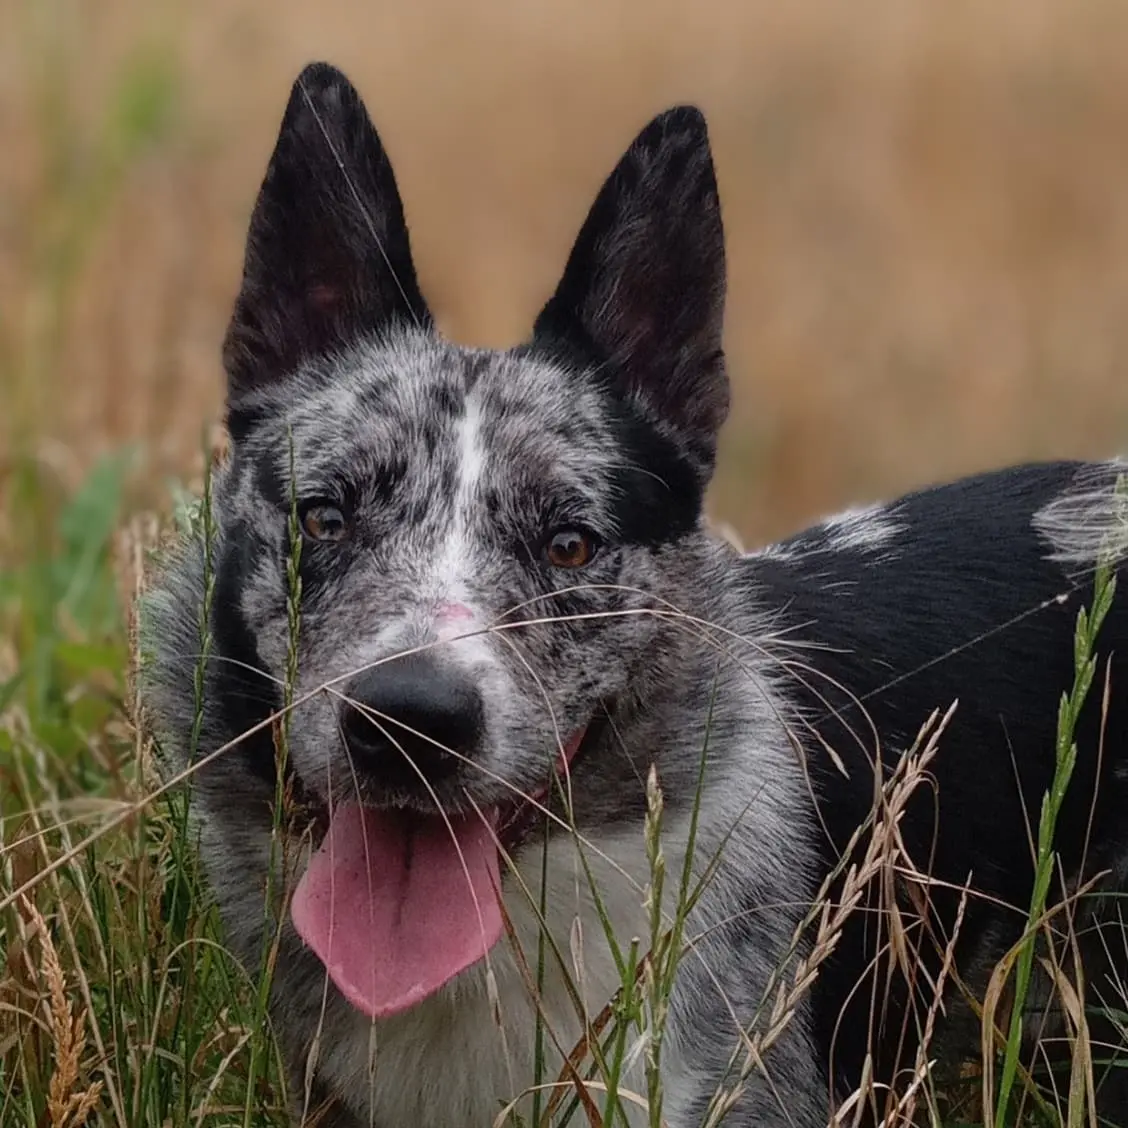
(643,291)
(245,698)
(961,605)
(328,255)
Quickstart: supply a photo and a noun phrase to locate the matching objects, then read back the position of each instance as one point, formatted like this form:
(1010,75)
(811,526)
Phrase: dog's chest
(458,1059)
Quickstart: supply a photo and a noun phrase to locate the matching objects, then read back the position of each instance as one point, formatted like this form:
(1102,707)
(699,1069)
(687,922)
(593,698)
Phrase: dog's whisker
(541,688)
(518,793)
(557,618)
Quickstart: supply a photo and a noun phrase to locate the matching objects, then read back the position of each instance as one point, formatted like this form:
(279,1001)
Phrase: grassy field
(928,231)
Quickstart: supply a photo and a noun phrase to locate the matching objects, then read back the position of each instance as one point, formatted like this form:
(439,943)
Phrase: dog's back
(966,594)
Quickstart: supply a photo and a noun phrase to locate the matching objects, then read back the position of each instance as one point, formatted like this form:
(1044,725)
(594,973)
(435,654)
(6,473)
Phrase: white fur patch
(779,552)
(869,528)
(1089,521)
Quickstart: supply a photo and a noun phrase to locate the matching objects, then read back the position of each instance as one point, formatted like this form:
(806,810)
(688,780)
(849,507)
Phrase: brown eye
(571,548)
(323,522)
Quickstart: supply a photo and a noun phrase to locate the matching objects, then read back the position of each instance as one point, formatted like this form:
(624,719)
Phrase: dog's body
(526,527)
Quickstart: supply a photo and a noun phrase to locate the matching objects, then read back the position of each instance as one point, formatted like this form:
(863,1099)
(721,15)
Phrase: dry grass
(67,1106)
(925,203)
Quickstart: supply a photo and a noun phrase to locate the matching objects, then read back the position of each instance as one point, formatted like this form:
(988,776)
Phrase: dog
(521,680)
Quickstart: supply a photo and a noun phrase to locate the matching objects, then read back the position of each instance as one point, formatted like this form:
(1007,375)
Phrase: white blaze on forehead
(455,553)
(471,455)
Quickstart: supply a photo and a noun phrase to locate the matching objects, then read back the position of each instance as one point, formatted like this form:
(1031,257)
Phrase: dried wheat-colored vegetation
(928,248)
(925,207)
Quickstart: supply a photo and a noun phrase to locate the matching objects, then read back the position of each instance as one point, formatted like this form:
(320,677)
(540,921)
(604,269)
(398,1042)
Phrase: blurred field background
(927,210)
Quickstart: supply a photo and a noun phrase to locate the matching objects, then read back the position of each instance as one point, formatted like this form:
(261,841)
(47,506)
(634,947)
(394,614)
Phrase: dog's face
(481,533)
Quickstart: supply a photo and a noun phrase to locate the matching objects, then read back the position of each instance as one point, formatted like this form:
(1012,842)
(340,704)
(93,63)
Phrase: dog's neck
(714,698)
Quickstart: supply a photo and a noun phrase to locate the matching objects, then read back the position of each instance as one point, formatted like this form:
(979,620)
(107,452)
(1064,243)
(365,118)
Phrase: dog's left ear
(644,288)
(328,258)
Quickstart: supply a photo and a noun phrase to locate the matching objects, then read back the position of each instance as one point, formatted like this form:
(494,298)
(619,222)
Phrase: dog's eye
(323,522)
(571,548)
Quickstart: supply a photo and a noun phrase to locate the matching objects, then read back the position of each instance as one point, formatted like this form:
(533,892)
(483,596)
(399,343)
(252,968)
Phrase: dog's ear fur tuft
(328,257)
(644,288)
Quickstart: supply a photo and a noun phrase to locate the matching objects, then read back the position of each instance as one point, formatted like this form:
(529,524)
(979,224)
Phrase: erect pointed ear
(644,288)
(328,257)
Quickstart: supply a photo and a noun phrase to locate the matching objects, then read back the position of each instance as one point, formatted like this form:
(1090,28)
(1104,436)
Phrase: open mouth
(395,904)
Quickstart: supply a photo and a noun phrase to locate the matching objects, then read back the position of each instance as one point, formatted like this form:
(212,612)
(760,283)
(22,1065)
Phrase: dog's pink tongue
(396,906)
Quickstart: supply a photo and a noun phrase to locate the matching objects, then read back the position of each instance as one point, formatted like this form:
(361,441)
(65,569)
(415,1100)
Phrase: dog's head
(489,544)
(479,530)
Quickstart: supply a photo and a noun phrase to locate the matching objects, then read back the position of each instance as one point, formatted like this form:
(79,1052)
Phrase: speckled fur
(454,463)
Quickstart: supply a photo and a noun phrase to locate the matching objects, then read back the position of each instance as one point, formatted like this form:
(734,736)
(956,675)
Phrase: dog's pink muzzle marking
(453,613)
(452,620)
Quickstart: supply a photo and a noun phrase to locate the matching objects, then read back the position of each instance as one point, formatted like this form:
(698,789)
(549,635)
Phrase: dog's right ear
(328,257)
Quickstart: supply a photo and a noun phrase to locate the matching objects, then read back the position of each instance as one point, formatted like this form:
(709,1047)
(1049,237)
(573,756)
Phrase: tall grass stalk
(278,856)
(1069,711)
(185,895)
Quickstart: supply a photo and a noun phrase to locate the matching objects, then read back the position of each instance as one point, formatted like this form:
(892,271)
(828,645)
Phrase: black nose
(405,717)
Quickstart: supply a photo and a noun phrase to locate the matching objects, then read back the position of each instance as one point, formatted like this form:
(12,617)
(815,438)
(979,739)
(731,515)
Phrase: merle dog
(512,615)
